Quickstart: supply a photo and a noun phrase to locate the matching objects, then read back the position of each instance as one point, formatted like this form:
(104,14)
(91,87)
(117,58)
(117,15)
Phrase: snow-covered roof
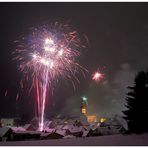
(61,132)
(27,132)
(116,121)
(17,129)
(49,130)
(86,128)
(73,129)
(45,134)
(53,133)
(71,121)
(26,126)
(59,126)
(68,126)
(4,130)
(85,133)
(49,124)
(58,121)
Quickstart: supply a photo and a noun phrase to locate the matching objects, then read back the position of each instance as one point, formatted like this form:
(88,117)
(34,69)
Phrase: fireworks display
(48,53)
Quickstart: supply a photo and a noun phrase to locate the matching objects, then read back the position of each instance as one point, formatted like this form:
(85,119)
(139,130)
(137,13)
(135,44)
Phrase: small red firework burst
(97,76)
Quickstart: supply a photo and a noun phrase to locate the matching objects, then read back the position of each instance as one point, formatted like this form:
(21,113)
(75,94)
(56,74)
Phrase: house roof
(61,132)
(17,129)
(4,130)
(85,133)
(27,132)
(27,126)
(59,126)
(49,130)
(51,134)
(48,123)
(73,129)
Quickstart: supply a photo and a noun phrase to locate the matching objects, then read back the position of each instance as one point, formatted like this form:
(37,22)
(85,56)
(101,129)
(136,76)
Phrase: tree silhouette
(136,114)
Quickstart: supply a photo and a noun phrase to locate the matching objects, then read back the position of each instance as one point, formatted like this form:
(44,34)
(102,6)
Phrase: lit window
(84,110)
(102,120)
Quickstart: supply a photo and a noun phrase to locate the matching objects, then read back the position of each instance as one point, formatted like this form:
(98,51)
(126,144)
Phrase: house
(58,121)
(78,123)
(83,120)
(58,127)
(49,124)
(25,135)
(15,129)
(91,133)
(7,121)
(61,132)
(85,133)
(35,122)
(48,130)
(70,121)
(5,133)
(112,126)
(53,135)
(73,130)
(93,126)
(35,135)
(20,135)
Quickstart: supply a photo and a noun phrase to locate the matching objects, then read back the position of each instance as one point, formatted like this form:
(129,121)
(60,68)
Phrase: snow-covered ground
(112,140)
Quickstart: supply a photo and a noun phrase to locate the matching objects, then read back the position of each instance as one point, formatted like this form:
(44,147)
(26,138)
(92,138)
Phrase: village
(59,128)
(83,126)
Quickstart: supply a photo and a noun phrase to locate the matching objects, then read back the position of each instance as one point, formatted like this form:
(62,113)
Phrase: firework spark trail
(45,56)
(44,93)
(38,96)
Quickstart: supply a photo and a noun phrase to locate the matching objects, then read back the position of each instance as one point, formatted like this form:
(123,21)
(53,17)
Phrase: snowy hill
(112,140)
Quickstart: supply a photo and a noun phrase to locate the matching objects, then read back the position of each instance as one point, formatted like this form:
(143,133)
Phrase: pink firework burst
(47,54)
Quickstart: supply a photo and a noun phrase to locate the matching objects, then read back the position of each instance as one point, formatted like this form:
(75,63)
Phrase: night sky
(118,44)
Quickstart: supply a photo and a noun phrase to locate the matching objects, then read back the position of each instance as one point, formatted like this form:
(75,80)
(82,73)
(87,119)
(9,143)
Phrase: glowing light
(47,49)
(44,62)
(53,56)
(60,52)
(49,41)
(102,120)
(84,110)
(34,56)
(52,49)
(84,98)
(91,118)
(41,125)
(97,76)
(51,65)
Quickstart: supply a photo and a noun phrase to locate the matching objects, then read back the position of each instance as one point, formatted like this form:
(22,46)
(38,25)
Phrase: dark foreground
(112,140)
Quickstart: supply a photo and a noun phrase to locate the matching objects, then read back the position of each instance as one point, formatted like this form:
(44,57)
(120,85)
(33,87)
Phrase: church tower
(84,105)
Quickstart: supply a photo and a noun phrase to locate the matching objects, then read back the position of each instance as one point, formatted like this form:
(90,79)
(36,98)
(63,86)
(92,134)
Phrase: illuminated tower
(84,105)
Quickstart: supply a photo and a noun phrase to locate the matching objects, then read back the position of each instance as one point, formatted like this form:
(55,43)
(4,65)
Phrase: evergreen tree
(136,114)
